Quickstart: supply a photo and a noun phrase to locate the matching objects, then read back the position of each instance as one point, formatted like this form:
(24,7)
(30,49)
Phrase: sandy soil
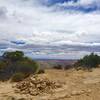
(77,85)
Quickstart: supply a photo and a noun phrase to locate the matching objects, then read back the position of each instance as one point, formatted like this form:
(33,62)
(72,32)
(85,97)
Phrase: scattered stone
(11,98)
(77,92)
(74,93)
(22,99)
(89,91)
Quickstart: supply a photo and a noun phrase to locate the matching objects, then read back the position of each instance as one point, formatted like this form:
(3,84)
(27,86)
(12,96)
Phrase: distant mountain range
(47,63)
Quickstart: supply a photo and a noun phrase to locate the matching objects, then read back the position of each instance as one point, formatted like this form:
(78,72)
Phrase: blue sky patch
(53,2)
(76,5)
(18,42)
(87,9)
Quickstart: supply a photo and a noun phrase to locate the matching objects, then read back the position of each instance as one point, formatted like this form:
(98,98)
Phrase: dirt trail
(77,85)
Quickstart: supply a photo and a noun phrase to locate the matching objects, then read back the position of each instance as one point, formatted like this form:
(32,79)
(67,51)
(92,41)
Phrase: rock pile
(36,85)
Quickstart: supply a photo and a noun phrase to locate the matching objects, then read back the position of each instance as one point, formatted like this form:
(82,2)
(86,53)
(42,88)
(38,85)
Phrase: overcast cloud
(50,28)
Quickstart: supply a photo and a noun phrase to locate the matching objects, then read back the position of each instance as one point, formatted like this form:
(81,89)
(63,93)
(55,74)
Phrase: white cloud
(87,2)
(40,26)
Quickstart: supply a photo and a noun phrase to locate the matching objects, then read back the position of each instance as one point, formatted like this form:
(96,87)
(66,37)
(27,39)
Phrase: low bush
(88,62)
(68,67)
(41,71)
(14,63)
(18,77)
(27,66)
(2,65)
(57,67)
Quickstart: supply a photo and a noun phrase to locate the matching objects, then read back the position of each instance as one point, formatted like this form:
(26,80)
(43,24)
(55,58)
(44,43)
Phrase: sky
(55,29)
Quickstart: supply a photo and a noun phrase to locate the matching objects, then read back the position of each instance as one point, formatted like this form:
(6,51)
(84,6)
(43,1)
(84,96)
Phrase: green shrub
(57,67)
(27,66)
(13,56)
(68,67)
(88,61)
(41,71)
(2,65)
(15,62)
(18,77)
